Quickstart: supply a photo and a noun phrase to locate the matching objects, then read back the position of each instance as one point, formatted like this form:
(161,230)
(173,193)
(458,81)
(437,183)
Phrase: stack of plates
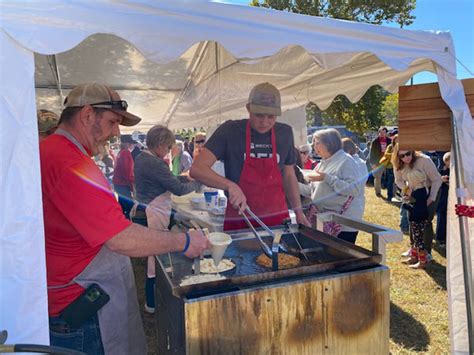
(216,212)
(199,203)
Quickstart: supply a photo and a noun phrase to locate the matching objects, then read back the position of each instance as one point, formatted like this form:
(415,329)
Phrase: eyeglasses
(407,154)
(305,153)
(121,105)
(201,141)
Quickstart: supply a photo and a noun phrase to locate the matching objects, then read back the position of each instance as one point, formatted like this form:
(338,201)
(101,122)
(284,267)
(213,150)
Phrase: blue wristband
(188,241)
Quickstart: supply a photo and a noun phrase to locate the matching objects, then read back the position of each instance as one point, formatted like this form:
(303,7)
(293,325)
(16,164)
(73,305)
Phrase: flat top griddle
(325,253)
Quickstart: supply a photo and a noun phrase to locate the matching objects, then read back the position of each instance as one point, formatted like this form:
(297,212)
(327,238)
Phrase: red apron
(262,185)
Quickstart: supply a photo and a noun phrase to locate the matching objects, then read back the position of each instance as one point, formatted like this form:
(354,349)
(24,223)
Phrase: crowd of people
(90,233)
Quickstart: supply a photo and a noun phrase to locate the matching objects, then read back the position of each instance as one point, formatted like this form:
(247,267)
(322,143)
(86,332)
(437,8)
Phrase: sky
(455,16)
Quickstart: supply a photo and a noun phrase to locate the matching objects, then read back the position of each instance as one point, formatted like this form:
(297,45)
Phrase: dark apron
(120,323)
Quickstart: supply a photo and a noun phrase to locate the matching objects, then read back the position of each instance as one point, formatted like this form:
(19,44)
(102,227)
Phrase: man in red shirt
(88,239)
(377,150)
(123,179)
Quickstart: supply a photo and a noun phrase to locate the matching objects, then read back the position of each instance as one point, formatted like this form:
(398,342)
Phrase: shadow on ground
(406,331)
(440,250)
(438,273)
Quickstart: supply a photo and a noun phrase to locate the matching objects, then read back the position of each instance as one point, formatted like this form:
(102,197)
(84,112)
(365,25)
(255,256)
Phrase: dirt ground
(139,265)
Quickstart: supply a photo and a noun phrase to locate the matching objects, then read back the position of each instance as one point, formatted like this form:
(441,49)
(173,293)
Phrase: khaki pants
(377,173)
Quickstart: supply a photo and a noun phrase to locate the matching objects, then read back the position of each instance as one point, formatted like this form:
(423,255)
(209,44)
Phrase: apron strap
(72,139)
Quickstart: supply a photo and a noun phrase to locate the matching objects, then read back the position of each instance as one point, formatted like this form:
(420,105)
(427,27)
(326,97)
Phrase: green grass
(419,308)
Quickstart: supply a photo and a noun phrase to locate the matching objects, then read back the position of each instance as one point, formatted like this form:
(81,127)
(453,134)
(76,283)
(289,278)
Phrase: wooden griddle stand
(332,313)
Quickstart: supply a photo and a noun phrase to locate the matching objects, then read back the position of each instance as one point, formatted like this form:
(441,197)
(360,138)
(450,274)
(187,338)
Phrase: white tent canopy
(183,64)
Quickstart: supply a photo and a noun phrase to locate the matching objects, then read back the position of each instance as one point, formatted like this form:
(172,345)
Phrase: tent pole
(464,234)
(53,63)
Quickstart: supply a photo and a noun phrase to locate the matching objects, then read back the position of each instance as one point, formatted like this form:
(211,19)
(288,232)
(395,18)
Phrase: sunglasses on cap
(407,154)
(120,105)
(201,141)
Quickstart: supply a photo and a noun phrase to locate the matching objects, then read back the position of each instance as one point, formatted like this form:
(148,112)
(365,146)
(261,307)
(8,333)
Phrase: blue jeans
(86,338)
(404,225)
(389,180)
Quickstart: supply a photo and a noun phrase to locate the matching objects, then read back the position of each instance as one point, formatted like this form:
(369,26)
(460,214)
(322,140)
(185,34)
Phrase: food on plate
(285,261)
(208,267)
(199,279)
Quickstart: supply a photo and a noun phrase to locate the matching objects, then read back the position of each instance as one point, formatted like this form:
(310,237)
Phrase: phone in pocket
(85,306)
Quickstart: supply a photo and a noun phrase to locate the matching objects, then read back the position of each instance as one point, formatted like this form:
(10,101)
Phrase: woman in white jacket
(335,182)
(357,207)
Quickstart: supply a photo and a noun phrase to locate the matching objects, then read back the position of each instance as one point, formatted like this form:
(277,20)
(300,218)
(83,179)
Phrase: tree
(369,11)
(390,110)
(370,111)
(314,116)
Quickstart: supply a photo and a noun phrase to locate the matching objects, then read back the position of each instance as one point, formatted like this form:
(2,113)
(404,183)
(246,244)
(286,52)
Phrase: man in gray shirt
(258,155)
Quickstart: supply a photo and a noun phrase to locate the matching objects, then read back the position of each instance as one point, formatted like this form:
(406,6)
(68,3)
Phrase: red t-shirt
(383,144)
(309,165)
(80,215)
(123,172)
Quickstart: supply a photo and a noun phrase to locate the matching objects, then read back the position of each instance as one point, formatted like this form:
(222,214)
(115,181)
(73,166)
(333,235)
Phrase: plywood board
(340,314)
(424,118)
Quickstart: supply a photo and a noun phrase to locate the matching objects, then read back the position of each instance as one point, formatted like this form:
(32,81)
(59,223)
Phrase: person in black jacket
(415,201)
(442,209)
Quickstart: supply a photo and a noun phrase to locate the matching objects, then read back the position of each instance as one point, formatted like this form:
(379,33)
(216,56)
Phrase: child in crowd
(415,201)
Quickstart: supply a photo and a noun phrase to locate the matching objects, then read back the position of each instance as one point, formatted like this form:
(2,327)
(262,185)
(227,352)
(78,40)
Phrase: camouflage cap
(46,120)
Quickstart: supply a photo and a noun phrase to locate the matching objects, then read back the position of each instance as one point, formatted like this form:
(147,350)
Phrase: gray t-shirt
(228,144)
(153,177)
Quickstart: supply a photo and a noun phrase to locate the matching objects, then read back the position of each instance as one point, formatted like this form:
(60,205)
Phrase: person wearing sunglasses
(199,141)
(259,157)
(405,161)
(88,240)
(304,152)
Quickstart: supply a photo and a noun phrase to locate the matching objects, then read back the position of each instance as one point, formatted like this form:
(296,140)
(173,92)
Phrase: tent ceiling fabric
(179,76)
(207,85)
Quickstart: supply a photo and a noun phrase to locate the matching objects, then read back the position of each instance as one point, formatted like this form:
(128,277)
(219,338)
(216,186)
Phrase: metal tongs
(276,246)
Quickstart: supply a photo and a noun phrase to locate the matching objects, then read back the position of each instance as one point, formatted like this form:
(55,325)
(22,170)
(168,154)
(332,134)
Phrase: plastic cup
(211,199)
(219,243)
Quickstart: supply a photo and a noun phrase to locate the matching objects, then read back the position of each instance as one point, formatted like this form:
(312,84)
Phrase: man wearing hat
(259,157)
(92,299)
(47,123)
(123,178)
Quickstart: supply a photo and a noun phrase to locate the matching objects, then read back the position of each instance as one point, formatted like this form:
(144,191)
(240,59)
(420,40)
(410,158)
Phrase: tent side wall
(23,296)
(167,29)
